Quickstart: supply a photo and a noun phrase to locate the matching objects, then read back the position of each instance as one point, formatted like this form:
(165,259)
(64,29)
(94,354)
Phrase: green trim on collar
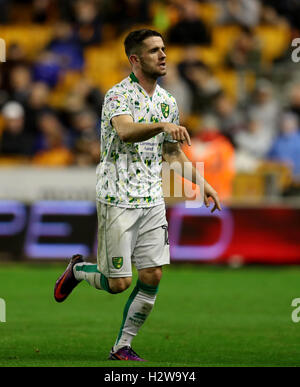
(133,78)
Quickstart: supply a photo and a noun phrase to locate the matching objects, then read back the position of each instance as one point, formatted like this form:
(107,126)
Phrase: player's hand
(209,192)
(178,133)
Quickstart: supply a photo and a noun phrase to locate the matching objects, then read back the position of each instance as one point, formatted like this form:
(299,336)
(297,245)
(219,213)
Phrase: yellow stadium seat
(32,38)
(208,12)
(1,125)
(281,172)
(223,37)
(100,58)
(70,79)
(211,56)
(175,54)
(274,40)
(248,186)
(229,82)
(103,66)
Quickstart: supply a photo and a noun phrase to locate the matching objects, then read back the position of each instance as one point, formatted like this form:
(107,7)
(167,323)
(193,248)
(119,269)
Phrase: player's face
(153,57)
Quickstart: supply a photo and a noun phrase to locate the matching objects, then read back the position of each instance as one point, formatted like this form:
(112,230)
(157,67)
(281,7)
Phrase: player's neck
(147,83)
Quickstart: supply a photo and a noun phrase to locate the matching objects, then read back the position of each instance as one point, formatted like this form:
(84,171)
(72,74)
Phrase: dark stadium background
(235,72)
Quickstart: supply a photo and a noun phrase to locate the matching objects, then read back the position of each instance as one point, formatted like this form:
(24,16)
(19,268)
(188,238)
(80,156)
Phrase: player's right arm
(130,131)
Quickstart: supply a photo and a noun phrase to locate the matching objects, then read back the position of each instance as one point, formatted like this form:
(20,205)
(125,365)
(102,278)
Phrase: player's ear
(134,59)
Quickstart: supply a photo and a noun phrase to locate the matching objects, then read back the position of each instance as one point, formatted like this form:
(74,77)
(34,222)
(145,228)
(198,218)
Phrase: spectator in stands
(66,10)
(38,102)
(86,144)
(53,150)
(204,86)
(47,68)
(4,96)
(190,58)
(66,46)
(265,106)
(270,17)
(180,90)
(245,53)
(123,14)
(20,83)
(242,12)
(4,14)
(88,24)
(40,11)
(85,125)
(15,57)
(217,153)
(255,140)
(286,147)
(290,9)
(190,29)
(84,95)
(230,118)
(15,141)
(294,99)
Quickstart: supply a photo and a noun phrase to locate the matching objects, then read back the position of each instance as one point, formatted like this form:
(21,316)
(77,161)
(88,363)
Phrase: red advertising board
(58,229)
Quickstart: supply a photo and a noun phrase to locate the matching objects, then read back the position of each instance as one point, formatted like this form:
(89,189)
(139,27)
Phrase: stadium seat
(269,179)
(248,186)
(279,173)
(13,161)
(229,81)
(175,53)
(274,39)
(224,36)
(102,66)
(208,13)
(32,38)
(211,56)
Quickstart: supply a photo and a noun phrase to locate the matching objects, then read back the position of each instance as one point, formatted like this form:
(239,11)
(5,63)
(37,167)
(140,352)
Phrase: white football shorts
(131,235)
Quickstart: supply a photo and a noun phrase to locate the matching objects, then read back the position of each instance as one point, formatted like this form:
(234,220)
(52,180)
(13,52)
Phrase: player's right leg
(112,272)
(90,273)
(78,270)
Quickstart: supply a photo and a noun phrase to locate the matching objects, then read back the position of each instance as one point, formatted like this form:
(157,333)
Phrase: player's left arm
(172,152)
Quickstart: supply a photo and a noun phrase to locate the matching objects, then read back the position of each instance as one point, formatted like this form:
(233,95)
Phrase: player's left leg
(150,254)
(137,309)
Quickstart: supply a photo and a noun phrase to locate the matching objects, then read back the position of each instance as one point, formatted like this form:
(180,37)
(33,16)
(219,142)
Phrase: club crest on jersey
(165,109)
(117,262)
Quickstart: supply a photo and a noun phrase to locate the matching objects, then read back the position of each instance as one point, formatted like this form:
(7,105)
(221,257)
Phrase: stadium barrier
(51,214)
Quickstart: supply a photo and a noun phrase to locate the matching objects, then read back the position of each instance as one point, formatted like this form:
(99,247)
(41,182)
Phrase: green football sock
(90,273)
(137,309)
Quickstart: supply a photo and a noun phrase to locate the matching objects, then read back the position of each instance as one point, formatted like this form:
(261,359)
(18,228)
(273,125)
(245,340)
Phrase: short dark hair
(134,40)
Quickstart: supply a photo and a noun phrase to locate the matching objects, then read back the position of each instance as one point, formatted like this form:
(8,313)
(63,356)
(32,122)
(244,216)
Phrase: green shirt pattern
(129,174)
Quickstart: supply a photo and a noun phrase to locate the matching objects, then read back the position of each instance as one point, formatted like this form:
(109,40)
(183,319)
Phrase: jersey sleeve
(174,119)
(116,104)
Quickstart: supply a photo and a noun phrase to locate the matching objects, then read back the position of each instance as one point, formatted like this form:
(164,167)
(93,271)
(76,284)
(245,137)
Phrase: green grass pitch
(204,316)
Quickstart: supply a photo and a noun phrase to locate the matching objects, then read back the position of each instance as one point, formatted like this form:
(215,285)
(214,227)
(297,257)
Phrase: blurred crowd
(237,88)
